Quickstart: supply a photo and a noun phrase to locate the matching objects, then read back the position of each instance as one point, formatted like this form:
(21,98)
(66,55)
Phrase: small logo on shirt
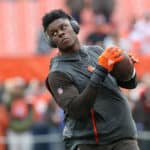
(60,91)
(90,68)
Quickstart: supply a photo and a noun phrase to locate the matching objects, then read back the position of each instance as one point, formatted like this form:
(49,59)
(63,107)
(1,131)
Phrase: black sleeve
(67,95)
(131,84)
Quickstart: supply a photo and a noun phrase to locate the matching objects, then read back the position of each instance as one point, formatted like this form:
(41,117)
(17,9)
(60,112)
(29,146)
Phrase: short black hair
(53,15)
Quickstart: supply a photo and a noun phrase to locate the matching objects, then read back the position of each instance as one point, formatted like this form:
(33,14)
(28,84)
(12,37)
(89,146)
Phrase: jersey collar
(77,56)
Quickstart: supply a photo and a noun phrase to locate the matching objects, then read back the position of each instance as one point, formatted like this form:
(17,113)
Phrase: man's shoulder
(93,48)
(55,64)
(59,65)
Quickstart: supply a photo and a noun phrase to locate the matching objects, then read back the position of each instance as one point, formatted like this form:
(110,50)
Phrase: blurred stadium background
(29,118)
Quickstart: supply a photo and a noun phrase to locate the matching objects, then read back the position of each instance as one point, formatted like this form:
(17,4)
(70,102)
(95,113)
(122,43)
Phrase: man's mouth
(65,40)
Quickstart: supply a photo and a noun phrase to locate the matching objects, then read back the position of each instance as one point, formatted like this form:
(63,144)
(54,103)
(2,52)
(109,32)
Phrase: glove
(109,57)
(133,59)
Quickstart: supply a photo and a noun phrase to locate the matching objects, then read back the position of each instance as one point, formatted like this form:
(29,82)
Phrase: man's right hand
(133,58)
(109,57)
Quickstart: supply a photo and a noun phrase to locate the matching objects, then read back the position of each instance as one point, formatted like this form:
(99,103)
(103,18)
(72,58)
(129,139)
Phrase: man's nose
(61,33)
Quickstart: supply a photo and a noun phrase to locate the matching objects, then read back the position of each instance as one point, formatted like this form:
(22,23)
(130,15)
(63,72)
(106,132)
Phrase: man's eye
(54,33)
(64,27)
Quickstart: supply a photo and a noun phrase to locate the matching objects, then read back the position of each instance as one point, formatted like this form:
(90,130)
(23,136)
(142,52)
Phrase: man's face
(62,33)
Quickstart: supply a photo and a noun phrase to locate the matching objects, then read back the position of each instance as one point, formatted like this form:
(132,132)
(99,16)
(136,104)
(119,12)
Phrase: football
(123,70)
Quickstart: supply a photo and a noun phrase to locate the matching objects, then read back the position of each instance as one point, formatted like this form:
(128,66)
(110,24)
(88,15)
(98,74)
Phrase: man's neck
(73,49)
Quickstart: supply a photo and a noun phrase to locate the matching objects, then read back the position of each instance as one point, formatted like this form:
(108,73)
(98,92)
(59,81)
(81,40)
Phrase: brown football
(123,70)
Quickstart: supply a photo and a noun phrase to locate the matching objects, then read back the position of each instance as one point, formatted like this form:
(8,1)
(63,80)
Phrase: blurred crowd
(27,109)
(139,100)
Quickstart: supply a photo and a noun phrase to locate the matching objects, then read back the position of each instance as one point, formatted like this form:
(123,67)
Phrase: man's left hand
(133,58)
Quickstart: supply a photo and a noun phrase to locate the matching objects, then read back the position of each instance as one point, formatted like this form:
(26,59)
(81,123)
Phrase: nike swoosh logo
(110,62)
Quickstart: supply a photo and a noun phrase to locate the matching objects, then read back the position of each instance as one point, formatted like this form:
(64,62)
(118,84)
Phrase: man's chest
(82,71)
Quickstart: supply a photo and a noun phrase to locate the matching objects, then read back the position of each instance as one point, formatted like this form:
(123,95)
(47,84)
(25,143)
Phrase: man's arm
(131,84)
(68,97)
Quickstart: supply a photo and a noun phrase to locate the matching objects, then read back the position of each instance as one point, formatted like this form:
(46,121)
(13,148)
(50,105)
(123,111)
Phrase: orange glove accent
(133,59)
(109,57)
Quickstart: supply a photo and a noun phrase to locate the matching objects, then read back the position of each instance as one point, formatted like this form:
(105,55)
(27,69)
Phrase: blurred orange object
(4,123)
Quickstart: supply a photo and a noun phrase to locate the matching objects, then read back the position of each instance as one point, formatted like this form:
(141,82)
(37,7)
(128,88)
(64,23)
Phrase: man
(97,115)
